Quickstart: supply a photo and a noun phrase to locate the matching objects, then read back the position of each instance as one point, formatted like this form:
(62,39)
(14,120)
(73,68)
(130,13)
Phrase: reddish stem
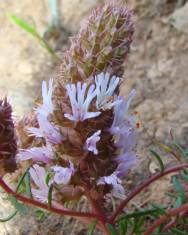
(142,186)
(29,201)
(164,218)
(95,207)
(173,222)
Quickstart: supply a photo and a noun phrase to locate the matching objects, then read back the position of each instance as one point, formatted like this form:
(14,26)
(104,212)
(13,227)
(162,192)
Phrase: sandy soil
(157,68)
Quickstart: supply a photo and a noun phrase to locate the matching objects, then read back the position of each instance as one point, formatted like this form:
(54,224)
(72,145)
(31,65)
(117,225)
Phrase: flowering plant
(81,140)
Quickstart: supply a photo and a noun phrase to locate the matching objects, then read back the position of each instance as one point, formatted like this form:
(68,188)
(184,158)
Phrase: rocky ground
(156,68)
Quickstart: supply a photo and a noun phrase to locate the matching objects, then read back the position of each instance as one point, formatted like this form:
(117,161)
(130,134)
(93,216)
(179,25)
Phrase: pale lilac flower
(117,188)
(46,130)
(37,154)
(47,106)
(121,112)
(80,102)
(125,142)
(105,87)
(38,175)
(63,174)
(125,138)
(91,142)
(125,162)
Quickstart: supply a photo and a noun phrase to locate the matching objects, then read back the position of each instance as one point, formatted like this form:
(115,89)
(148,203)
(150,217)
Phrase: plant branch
(32,202)
(95,207)
(164,218)
(142,186)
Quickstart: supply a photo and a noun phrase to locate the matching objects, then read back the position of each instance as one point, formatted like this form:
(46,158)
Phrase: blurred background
(157,68)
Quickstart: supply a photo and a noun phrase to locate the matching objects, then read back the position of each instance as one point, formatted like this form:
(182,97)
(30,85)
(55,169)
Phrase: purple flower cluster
(90,104)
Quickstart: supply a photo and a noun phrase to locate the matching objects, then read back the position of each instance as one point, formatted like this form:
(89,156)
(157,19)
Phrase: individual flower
(117,189)
(91,142)
(125,162)
(47,106)
(63,174)
(80,102)
(105,87)
(46,130)
(121,112)
(125,138)
(37,154)
(38,175)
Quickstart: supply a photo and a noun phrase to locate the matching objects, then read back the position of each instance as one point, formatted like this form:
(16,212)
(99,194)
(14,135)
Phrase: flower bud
(8,143)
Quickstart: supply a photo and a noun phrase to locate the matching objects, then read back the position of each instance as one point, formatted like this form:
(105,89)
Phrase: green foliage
(111,229)
(178,232)
(40,214)
(50,195)
(27,184)
(91,228)
(158,158)
(30,29)
(180,190)
(22,209)
(11,216)
(183,152)
(134,223)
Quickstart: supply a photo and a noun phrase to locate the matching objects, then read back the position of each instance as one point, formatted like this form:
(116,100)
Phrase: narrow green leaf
(156,155)
(178,232)
(32,30)
(162,234)
(24,25)
(111,229)
(50,196)
(28,184)
(185,177)
(40,214)
(22,209)
(48,177)
(160,210)
(179,188)
(138,224)
(182,151)
(9,217)
(123,227)
(21,180)
(139,213)
(92,227)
